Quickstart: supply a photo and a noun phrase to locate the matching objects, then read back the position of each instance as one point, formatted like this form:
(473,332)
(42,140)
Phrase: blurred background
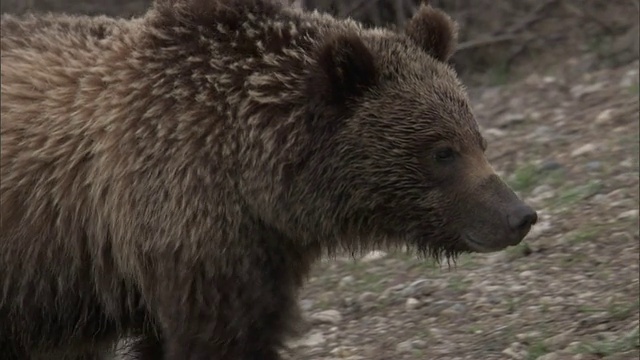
(554,85)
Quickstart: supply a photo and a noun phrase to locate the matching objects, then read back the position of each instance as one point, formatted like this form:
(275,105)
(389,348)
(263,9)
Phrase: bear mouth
(479,246)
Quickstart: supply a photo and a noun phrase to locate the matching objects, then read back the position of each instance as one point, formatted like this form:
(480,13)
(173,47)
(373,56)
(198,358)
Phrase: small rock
(552,356)
(493,133)
(405,347)
(306,304)
(419,344)
(579,91)
(410,346)
(366,297)
(559,341)
(526,337)
(550,165)
(627,163)
(628,215)
(593,320)
(526,274)
(537,115)
(604,117)
(573,347)
(391,292)
(581,357)
(515,351)
(539,199)
(436,308)
(374,255)
(539,229)
(593,165)
(454,310)
(346,281)
(511,119)
(630,78)
(412,304)
(584,149)
(313,339)
(622,356)
(326,317)
(541,189)
(534,79)
(342,351)
(422,287)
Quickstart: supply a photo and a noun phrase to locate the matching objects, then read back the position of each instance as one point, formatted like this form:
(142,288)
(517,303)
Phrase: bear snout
(501,218)
(520,219)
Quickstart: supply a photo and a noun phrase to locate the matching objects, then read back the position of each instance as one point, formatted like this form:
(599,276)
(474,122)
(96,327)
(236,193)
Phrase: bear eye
(445,155)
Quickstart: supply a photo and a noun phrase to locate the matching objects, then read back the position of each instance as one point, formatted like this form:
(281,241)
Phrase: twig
(532,17)
(486,41)
(585,13)
(511,33)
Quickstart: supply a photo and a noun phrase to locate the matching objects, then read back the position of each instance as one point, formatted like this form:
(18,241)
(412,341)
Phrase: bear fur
(371,13)
(173,177)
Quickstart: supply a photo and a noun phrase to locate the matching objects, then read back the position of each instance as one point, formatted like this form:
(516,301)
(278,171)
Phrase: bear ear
(347,68)
(433,31)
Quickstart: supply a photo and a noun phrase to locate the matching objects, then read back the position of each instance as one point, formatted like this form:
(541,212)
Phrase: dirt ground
(563,128)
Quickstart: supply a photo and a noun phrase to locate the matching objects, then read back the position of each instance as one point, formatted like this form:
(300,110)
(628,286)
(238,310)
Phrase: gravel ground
(568,143)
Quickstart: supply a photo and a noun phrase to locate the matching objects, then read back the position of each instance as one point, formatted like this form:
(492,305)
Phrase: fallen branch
(486,41)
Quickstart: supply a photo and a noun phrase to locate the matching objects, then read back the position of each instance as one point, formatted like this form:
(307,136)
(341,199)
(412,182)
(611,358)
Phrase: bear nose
(522,217)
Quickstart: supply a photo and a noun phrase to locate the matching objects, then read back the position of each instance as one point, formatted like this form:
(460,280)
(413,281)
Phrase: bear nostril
(522,217)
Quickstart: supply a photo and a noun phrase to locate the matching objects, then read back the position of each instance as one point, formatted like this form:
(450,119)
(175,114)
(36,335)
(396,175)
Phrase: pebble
(628,215)
(389,292)
(342,351)
(366,297)
(604,117)
(421,287)
(627,163)
(326,317)
(593,165)
(593,320)
(528,336)
(515,351)
(526,274)
(584,149)
(630,78)
(573,347)
(454,310)
(374,255)
(541,189)
(493,133)
(511,119)
(347,281)
(404,347)
(552,356)
(306,304)
(627,355)
(550,165)
(412,304)
(559,341)
(539,229)
(579,91)
(313,339)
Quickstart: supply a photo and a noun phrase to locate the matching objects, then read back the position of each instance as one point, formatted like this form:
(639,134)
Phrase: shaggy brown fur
(387,13)
(173,177)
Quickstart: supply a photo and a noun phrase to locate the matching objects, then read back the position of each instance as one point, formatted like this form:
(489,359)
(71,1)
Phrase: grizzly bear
(172,177)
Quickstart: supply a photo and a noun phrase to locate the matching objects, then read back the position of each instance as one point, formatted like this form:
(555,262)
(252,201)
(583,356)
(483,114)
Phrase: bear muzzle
(502,219)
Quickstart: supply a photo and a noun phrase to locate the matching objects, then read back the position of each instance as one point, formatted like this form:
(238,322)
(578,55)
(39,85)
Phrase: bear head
(398,148)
